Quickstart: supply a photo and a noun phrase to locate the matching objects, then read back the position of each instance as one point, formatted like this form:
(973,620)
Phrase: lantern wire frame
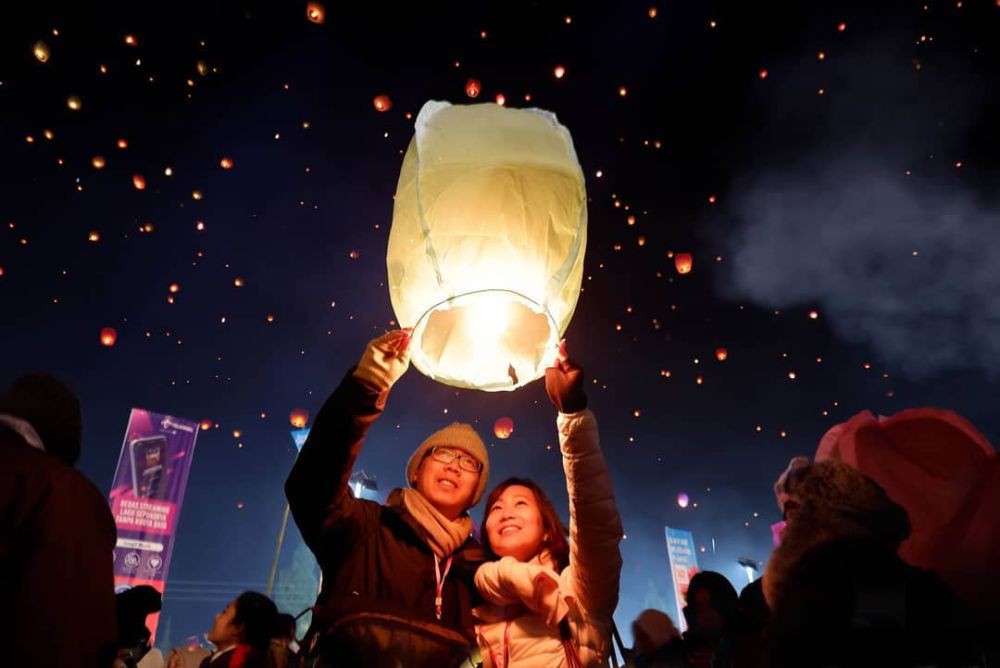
(474,317)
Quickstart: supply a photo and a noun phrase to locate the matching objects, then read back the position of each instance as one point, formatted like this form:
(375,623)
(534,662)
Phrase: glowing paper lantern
(41,51)
(139,181)
(721,354)
(472,87)
(485,255)
(382,103)
(683,262)
(108,336)
(503,427)
(683,500)
(315,12)
(299,417)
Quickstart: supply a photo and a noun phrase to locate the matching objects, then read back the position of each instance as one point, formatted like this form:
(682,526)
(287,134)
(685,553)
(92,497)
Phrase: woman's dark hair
(284,626)
(256,614)
(723,596)
(551,524)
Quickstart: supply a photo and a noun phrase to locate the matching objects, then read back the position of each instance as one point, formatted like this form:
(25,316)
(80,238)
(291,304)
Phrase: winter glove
(564,383)
(385,360)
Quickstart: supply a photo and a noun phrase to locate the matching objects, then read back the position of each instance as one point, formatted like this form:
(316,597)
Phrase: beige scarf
(444,536)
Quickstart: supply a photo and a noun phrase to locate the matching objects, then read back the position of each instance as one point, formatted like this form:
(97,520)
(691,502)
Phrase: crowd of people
(408,583)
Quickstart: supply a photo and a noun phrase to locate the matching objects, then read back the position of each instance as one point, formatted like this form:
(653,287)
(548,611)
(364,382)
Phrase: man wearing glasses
(397,579)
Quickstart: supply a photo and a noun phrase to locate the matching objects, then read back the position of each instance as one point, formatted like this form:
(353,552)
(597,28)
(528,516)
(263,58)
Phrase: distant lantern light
(487,285)
(41,51)
(473,87)
(139,181)
(683,263)
(131,40)
(559,71)
(205,425)
(123,143)
(762,73)
(108,337)
(316,12)
(98,162)
(503,428)
(501,99)
(683,500)
(382,103)
(226,163)
(299,418)
(721,354)
(74,103)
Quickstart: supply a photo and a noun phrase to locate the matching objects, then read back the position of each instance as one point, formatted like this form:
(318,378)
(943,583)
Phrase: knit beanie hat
(462,437)
(785,487)
(51,408)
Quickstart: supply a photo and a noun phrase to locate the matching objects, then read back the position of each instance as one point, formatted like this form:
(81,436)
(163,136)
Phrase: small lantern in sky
(382,103)
(315,12)
(721,354)
(486,249)
(503,428)
(683,263)
(108,336)
(41,51)
(299,418)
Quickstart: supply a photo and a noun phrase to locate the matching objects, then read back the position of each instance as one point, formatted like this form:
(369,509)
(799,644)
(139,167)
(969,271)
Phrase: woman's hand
(564,383)
(385,359)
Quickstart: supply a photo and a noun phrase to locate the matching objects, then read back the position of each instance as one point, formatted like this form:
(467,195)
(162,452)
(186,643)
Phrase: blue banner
(683,566)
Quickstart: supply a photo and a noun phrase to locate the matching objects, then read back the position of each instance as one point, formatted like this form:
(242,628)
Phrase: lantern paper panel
(485,256)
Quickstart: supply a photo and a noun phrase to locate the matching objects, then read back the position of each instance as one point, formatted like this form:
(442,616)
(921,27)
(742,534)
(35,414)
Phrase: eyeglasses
(448,455)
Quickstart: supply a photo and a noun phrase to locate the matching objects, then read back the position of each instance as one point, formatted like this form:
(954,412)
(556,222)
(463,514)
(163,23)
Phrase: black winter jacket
(376,606)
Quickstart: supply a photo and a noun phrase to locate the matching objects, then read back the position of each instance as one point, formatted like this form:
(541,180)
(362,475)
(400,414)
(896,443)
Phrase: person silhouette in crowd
(242,633)
(58,536)
(711,613)
(397,578)
(839,592)
(133,606)
(657,642)
(284,652)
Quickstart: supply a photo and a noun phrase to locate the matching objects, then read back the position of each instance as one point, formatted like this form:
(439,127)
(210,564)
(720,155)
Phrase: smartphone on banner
(148,460)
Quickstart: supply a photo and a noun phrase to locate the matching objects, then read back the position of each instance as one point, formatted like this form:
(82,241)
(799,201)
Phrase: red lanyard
(439,583)
(506,647)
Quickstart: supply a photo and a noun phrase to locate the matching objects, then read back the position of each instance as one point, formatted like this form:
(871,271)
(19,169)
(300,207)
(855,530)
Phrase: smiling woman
(569,589)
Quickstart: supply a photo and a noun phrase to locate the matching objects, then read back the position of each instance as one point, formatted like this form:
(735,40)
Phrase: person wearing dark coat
(397,578)
(57,535)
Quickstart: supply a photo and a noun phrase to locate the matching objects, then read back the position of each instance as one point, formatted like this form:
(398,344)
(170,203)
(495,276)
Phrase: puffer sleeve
(594,524)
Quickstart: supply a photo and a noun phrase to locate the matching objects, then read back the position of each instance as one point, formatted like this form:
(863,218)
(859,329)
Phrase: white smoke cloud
(911,271)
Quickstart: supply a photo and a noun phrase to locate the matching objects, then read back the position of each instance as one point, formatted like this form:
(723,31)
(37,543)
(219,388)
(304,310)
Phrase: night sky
(831,167)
